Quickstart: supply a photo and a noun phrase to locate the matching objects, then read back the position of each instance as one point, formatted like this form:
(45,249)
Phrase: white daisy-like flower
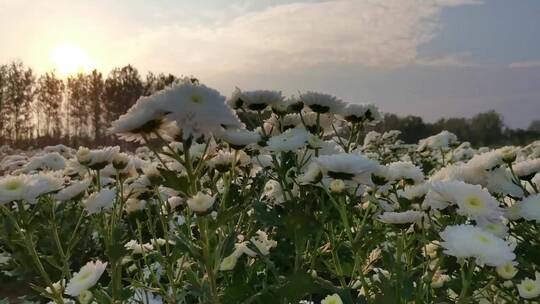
(97,159)
(406,217)
(99,201)
(529,208)
(50,161)
(309,121)
(41,184)
(144,120)
(414,191)
(497,226)
(467,241)
(201,202)
(348,167)
(199,110)
(476,202)
(290,140)
(137,248)
(86,278)
(73,190)
(256,100)
(13,188)
(527,169)
(311,175)
(507,271)
(371,138)
(224,159)
(405,170)
(438,141)
(355,112)
(262,242)
(134,204)
(273,192)
(332,299)
(500,181)
(239,138)
(529,288)
(322,103)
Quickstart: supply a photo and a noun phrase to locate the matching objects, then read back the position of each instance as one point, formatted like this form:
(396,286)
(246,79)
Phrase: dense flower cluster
(260,198)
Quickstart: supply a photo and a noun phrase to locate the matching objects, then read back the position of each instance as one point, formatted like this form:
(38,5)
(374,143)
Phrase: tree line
(483,129)
(39,110)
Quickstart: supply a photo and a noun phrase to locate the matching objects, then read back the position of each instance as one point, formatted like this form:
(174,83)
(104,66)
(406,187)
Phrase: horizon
(433,59)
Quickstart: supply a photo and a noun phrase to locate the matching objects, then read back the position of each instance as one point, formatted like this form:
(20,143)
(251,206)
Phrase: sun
(70,59)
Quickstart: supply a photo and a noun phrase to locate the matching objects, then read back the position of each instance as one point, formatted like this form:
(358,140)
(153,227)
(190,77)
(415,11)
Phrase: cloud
(366,33)
(461,60)
(525,64)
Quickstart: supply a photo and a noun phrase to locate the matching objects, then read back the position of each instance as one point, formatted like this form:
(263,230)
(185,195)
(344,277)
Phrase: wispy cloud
(461,60)
(377,34)
(525,64)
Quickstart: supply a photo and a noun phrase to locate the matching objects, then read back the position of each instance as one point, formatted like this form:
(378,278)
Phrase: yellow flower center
(13,185)
(474,202)
(482,238)
(196,99)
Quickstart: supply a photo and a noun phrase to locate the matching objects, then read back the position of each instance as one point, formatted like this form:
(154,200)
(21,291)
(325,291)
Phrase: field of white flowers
(264,199)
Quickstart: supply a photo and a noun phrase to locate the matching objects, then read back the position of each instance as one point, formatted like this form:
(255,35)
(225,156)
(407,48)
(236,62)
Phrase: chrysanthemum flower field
(258,198)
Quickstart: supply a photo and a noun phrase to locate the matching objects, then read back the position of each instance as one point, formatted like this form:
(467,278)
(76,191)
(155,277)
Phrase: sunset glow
(69,59)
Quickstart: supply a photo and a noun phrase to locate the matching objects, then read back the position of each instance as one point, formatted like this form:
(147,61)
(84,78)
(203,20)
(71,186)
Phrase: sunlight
(70,59)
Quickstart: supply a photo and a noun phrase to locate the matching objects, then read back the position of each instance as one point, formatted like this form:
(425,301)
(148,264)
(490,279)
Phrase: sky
(431,58)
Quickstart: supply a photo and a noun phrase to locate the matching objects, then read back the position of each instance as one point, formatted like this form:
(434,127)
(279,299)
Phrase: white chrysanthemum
(144,120)
(476,202)
(309,120)
(224,160)
(371,138)
(312,174)
(72,190)
(85,278)
(322,103)
(196,109)
(472,200)
(496,227)
(273,192)
(13,188)
(134,204)
(405,170)
(406,217)
(415,191)
(529,208)
(527,169)
(500,181)
(262,242)
(201,202)
(137,248)
(507,271)
(467,241)
(41,184)
(101,200)
(355,112)
(256,100)
(97,159)
(239,137)
(438,141)
(51,161)
(332,299)
(348,166)
(529,288)
(290,140)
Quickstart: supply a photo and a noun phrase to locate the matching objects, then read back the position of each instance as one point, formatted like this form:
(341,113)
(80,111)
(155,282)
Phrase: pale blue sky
(432,58)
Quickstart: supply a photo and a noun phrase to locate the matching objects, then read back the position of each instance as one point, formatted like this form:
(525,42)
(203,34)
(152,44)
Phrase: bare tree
(19,92)
(95,88)
(50,91)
